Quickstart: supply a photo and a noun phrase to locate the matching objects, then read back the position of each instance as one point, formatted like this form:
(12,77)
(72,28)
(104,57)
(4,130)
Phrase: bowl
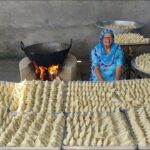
(120,26)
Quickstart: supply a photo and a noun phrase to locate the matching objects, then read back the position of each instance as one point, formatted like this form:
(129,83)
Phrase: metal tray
(30,148)
(4,82)
(135,44)
(124,112)
(33,148)
(133,147)
(66,90)
(138,26)
(137,68)
(98,148)
(144,148)
(138,146)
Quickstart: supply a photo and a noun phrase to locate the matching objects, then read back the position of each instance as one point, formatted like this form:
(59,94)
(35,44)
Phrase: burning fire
(53,71)
(43,73)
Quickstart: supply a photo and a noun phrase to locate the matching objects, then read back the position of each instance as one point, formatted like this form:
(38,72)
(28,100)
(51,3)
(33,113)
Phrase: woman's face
(107,39)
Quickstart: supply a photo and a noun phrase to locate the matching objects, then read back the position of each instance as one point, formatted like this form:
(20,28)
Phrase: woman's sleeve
(94,58)
(120,58)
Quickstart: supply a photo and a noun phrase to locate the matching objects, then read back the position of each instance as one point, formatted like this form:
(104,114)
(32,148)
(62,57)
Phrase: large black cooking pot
(46,54)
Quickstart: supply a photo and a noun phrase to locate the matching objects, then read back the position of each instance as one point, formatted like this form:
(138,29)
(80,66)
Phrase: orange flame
(53,71)
(42,72)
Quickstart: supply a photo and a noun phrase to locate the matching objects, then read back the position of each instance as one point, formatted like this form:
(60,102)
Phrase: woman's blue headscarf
(103,32)
(106,59)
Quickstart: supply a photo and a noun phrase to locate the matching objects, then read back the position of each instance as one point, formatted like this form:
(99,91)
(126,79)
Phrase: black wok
(46,54)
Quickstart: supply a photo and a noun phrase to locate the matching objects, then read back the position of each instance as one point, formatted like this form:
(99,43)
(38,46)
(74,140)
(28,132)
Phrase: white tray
(29,148)
(98,148)
(144,148)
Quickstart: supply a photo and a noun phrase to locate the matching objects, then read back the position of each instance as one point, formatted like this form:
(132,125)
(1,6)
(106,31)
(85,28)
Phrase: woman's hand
(98,73)
(118,72)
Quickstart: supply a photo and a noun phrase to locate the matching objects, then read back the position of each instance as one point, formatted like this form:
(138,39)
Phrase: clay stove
(67,72)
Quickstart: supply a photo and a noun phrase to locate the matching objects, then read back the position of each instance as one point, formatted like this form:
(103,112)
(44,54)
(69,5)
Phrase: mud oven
(48,61)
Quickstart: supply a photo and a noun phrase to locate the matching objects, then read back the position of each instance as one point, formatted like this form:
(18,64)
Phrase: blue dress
(106,62)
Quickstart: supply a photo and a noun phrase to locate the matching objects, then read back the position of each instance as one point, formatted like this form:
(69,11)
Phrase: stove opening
(46,73)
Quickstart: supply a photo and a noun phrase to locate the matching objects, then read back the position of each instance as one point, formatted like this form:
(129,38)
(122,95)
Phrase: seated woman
(107,58)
